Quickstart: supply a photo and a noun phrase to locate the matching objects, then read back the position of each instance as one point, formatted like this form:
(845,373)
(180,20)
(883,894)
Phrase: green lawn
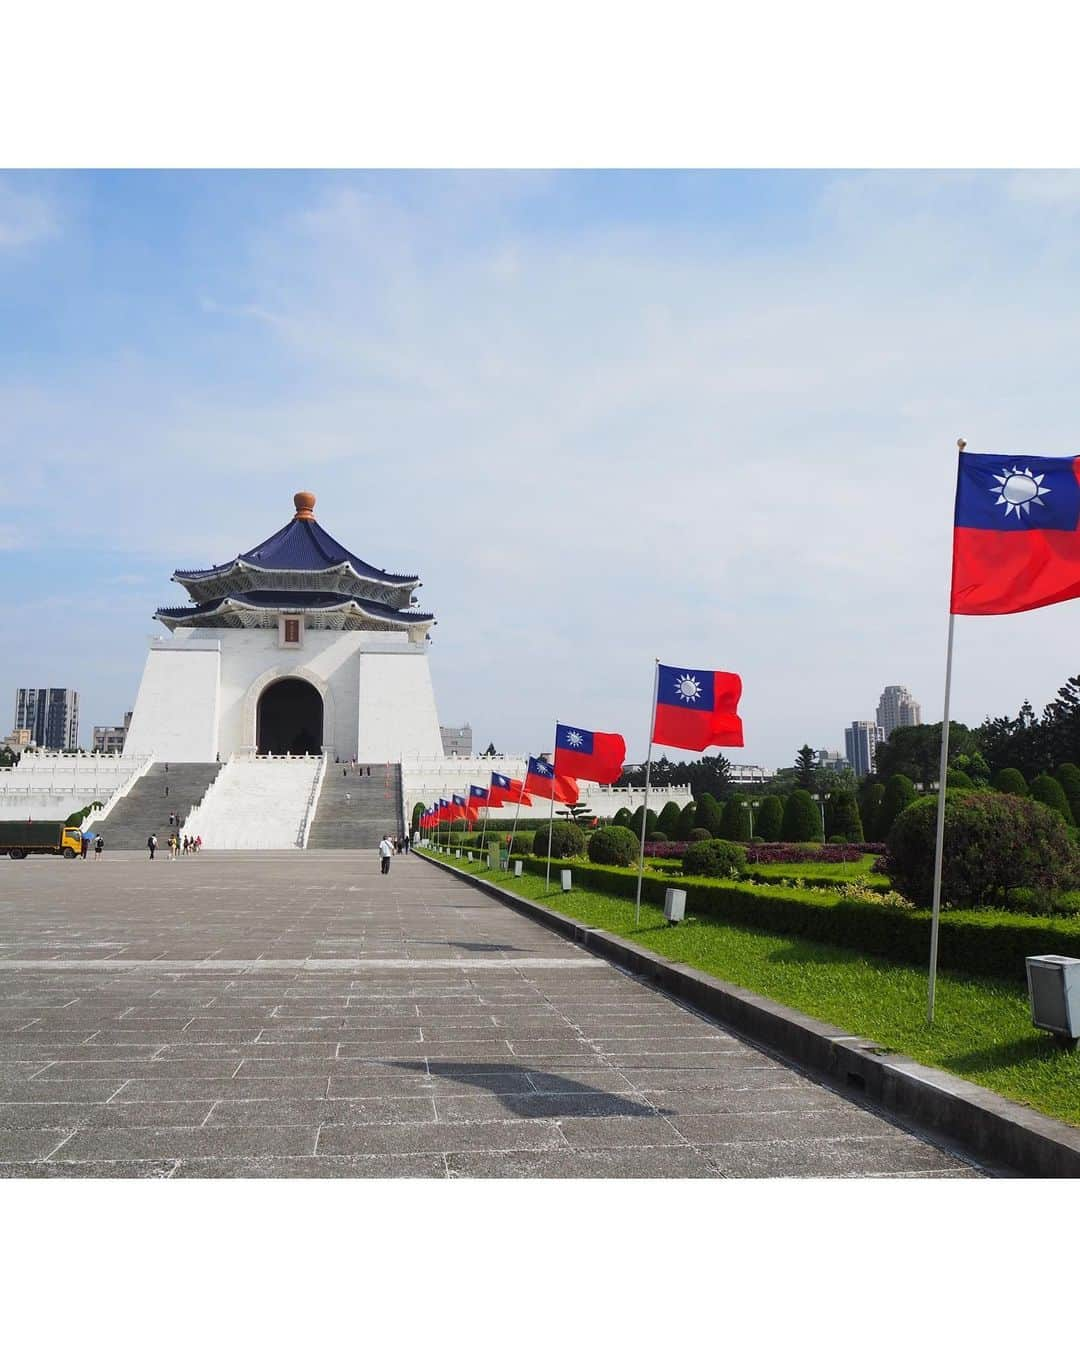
(983,1028)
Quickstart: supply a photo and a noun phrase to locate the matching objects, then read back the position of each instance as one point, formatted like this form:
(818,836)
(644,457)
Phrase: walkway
(257,1014)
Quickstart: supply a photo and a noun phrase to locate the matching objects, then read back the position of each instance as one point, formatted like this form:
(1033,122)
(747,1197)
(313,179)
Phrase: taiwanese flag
(458,808)
(588,755)
(541,779)
(505,790)
(478,798)
(443,814)
(697,707)
(1016,543)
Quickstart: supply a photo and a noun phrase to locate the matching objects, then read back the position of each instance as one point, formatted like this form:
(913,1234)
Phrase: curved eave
(243,576)
(348,614)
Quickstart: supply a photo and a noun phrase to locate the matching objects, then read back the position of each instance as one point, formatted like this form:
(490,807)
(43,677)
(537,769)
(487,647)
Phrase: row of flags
(692,708)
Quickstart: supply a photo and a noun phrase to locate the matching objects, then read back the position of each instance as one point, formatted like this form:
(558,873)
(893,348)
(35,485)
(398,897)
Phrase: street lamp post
(749,807)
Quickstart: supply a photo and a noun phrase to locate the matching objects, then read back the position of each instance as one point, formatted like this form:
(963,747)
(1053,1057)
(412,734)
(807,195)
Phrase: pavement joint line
(274,965)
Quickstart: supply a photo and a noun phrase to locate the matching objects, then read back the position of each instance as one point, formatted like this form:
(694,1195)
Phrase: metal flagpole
(939,843)
(939,846)
(517,814)
(551,817)
(483,831)
(645,806)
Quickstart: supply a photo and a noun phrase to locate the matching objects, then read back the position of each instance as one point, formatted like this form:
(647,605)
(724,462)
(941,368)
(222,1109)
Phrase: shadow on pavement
(537,1094)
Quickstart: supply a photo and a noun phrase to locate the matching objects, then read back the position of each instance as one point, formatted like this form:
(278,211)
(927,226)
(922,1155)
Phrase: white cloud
(612,444)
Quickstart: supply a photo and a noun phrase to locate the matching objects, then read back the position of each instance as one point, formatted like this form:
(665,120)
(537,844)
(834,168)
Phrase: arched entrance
(290,718)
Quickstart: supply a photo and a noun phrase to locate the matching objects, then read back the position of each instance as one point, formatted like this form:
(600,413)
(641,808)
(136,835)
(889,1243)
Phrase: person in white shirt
(386,850)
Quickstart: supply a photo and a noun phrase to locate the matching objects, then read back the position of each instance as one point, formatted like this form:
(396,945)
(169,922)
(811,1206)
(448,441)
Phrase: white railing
(312,804)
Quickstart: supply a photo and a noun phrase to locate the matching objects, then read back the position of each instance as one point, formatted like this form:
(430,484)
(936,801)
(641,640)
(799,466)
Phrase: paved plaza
(298,1014)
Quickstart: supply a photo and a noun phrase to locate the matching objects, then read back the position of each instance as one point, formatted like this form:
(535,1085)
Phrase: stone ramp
(146,808)
(358,805)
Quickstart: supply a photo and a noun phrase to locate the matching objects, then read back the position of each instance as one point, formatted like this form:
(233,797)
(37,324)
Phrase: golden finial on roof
(305,505)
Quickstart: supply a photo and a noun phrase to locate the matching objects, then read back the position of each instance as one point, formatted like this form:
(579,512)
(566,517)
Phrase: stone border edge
(986,1125)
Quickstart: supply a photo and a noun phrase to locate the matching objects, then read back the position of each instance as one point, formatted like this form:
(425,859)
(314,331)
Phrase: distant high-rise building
(830,760)
(860,742)
(51,715)
(456,743)
(897,708)
(110,738)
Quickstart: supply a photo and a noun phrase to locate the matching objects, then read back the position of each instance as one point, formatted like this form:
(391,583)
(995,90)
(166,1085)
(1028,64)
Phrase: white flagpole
(483,831)
(551,816)
(645,806)
(517,813)
(939,844)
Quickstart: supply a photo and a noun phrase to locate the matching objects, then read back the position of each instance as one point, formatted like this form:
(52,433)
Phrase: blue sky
(707,416)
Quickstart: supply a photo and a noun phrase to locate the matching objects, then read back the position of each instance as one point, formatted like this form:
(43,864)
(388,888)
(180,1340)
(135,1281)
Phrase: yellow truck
(19,840)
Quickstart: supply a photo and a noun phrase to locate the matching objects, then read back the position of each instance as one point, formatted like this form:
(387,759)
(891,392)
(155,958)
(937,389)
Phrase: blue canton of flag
(478,792)
(459,799)
(1017,493)
(577,741)
(502,782)
(685,687)
(537,767)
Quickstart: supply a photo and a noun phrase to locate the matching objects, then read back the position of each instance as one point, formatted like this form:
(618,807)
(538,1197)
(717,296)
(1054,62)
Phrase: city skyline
(663,376)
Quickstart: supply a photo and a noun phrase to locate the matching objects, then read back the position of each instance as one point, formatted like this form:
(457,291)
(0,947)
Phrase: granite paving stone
(298,1015)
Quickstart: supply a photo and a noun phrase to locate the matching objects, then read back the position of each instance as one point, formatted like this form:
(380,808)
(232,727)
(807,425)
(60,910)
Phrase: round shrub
(958,780)
(720,859)
(699,835)
(613,846)
(567,839)
(657,836)
(1010,782)
(1049,792)
(994,843)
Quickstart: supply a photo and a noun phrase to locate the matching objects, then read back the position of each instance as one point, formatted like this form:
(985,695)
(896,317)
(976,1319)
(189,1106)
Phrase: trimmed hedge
(985,943)
(613,846)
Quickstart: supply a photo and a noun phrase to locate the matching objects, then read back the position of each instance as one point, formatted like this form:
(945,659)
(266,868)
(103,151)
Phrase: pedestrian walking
(386,850)
(84,847)
(99,847)
(405,844)
(198,843)
(151,845)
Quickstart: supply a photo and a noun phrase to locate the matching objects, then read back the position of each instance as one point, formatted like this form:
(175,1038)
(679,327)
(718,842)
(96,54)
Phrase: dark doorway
(290,718)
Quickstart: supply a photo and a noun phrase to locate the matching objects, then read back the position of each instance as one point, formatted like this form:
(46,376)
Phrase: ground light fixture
(1054,992)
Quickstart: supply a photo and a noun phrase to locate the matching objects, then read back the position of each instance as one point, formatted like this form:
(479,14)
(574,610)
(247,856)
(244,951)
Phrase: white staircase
(258,804)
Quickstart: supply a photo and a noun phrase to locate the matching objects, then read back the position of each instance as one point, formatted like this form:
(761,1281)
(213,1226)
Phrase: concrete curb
(994,1129)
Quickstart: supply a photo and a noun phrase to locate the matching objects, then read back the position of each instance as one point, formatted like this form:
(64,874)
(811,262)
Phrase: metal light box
(1054,992)
(675,904)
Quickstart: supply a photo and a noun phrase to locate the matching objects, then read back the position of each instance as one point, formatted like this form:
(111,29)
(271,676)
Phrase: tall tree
(806,767)
(709,814)
(736,820)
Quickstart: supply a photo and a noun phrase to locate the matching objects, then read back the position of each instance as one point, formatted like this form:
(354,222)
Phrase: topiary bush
(899,793)
(958,780)
(709,814)
(870,798)
(736,820)
(567,839)
(842,813)
(668,822)
(769,818)
(717,858)
(613,846)
(1068,774)
(657,836)
(1049,792)
(802,819)
(687,823)
(994,843)
(1010,782)
(699,835)
(623,818)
